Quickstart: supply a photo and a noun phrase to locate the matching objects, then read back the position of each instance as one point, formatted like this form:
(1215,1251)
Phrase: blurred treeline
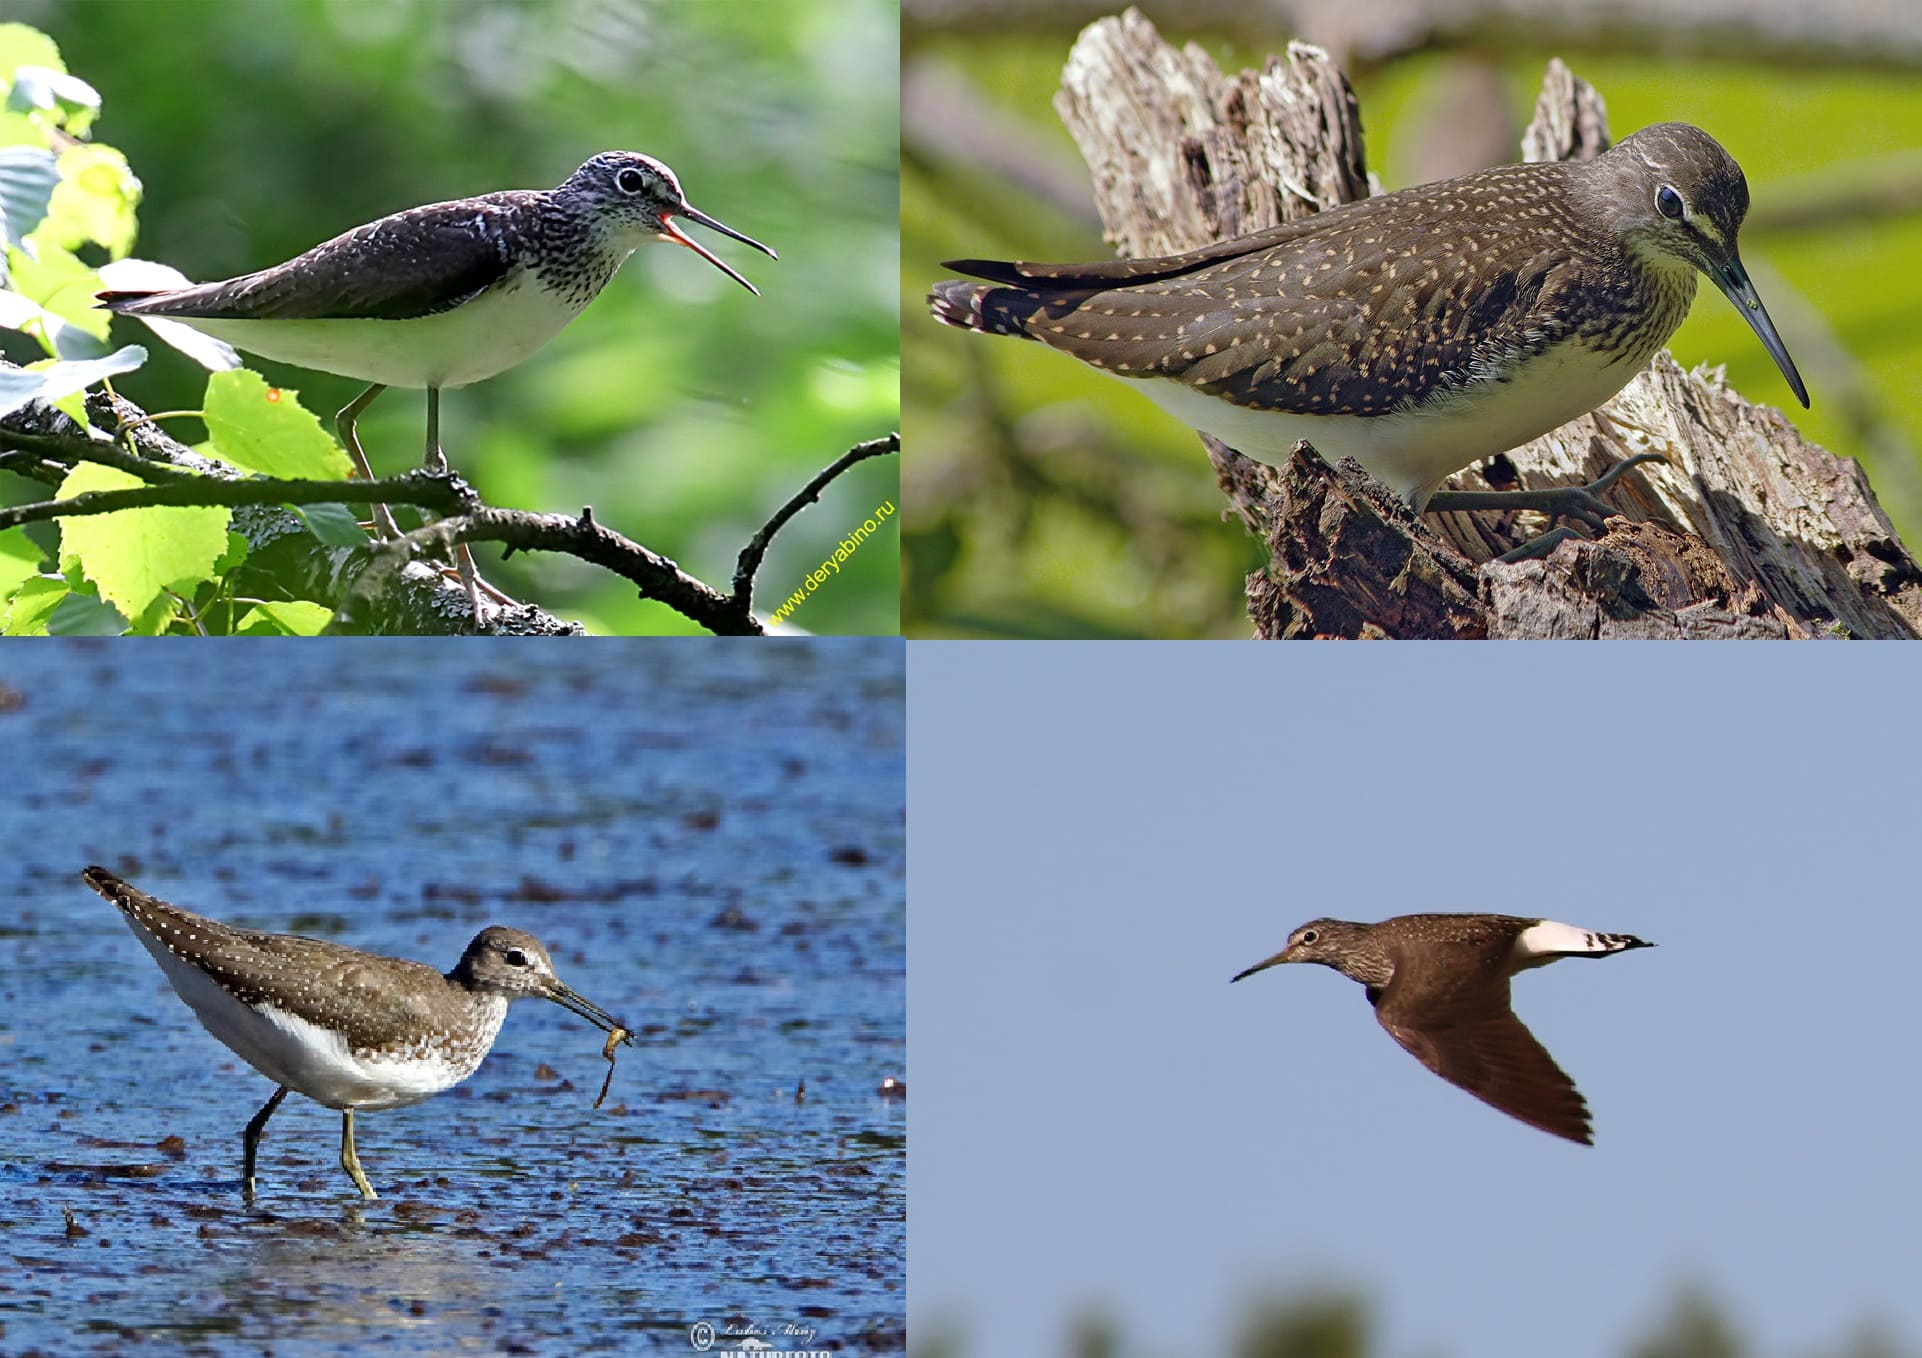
(1339,1325)
(1044,498)
(683,409)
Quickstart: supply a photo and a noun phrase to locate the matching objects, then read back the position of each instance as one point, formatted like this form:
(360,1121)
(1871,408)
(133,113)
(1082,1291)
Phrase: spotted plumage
(1417,331)
(1439,984)
(349,1029)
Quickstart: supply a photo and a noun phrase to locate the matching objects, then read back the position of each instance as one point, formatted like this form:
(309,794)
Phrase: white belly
(312,1061)
(1414,451)
(472,342)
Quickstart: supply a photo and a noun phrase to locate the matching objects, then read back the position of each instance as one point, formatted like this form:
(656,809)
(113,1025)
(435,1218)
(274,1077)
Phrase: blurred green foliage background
(682,408)
(1342,1324)
(1042,498)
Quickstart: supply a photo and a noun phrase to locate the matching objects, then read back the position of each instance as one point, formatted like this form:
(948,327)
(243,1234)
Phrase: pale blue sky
(1104,834)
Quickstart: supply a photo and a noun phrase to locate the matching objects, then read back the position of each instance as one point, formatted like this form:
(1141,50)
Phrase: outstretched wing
(1494,1057)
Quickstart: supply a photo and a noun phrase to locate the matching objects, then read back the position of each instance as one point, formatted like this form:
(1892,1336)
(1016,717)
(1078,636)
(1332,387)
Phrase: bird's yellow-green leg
(348,1160)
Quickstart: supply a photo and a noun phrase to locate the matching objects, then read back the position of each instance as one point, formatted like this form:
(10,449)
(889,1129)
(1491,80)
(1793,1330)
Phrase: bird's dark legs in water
(250,1142)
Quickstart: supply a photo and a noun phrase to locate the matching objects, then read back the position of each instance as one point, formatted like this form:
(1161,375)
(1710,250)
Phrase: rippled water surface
(708,836)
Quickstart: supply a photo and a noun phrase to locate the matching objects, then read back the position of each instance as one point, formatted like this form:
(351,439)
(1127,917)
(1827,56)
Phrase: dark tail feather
(118,301)
(983,307)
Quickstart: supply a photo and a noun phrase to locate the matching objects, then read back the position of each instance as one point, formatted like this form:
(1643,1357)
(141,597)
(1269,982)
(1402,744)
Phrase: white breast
(472,342)
(1414,451)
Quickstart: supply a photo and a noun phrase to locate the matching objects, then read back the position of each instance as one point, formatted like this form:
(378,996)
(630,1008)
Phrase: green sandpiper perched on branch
(446,294)
(1417,331)
(349,1029)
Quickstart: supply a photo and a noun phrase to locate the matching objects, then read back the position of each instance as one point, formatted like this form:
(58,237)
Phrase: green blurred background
(1340,1323)
(682,408)
(1044,499)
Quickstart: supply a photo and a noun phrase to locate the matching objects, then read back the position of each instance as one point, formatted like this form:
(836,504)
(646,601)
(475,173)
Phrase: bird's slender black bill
(1281,956)
(1734,282)
(566,998)
(674,233)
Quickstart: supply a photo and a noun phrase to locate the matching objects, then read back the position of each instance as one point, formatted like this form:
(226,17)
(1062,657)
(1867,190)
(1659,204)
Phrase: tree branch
(751,555)
(444,493)
(381,587)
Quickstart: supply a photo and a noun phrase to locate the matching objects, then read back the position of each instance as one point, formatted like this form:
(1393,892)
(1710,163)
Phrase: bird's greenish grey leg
(1536,549)
(436,460)
(348,1160)
(1570,502)
(250,1143)
(470,576)
(384,526)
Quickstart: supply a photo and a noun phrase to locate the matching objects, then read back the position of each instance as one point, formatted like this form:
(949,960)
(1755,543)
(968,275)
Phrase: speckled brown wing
(323,982)
(416,263)
(1342,313)
(1483,1048)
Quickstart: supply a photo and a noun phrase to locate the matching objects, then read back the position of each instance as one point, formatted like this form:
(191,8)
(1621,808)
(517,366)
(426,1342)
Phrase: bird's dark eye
(1309,935)
(515,957)
(1669,203)
(630,181)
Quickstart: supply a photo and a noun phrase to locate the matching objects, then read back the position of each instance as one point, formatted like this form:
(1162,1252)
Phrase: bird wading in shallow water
(444,295)
(349,1029)
(1439,984)
(1417,331)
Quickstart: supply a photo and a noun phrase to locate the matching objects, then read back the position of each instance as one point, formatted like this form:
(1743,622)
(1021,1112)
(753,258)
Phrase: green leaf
(333,524)
(156,618)
(94,201)
(21,45)
(28,177)
(82,615)
(297,618)
(266,429)
(235,556)
(73,405)
(16,129)
(49,379)
(19,561)
(43,89)
(31,605)
(133,555)
(60,282)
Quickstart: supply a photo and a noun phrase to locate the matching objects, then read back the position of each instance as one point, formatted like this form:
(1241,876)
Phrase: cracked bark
(1751,531)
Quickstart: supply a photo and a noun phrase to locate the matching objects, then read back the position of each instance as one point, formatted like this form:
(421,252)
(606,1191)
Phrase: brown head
(512,964)
(1673,196)
(1352,949)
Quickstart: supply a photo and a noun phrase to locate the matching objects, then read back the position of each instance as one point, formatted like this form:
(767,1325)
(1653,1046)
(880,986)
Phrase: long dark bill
(674,233)
(1734,282)
(1281,956)
(567,998)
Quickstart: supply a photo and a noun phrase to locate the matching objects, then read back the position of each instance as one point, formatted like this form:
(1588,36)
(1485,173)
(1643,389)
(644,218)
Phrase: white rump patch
(1550,940)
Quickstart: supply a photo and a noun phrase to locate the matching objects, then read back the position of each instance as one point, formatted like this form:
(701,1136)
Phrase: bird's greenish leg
(348,1160)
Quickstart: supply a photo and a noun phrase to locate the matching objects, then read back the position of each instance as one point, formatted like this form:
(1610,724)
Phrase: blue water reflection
(709,837)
